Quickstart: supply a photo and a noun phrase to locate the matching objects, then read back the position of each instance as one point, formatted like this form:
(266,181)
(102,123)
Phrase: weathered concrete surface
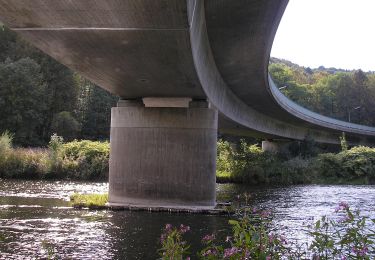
(162,156)
(213,49)
(276,146)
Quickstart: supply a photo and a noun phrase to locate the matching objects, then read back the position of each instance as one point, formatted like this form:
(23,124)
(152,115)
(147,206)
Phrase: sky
(329,33)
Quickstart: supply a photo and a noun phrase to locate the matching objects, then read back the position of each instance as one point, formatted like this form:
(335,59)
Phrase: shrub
(85,148)
(294,171)
(357,163)
(87,160)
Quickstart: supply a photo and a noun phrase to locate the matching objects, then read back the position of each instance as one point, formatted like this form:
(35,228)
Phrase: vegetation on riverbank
(247,163)
(242,163)
(88,200)
(77,160)
(347,235)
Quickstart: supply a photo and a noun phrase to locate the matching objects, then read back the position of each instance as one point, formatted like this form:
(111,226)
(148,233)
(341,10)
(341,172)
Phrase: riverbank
(244,163)
(249,164)
(76,160)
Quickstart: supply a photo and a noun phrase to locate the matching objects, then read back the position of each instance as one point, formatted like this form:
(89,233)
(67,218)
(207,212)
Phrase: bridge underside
(214,51)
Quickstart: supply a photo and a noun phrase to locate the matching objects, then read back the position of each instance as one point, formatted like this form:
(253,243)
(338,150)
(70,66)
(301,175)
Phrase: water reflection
(33,212)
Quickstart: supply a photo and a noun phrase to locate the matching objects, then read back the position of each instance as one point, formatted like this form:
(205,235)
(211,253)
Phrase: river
(36,213)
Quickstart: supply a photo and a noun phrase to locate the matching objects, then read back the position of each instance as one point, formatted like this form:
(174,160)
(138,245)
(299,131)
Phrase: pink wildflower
(210,252)
(228,252)
(208,238)
(265,213)
(271,237)
(342,206)
(184,229)
(168,227)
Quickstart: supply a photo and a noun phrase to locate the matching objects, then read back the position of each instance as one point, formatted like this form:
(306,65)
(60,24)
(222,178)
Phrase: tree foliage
(39,97)
(345,95)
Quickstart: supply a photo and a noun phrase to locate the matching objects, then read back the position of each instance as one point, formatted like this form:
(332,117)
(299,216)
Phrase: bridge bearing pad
(162,156)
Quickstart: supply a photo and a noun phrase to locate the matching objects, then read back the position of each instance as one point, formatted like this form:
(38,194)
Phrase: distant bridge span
(207,51)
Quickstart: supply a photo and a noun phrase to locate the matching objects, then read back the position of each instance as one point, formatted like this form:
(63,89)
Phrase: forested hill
(342,94)
(39,97)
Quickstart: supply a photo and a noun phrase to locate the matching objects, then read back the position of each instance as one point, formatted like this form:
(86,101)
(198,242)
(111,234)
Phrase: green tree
(61,92)
(332,92)
(65,125)
(21,100)
(95,111)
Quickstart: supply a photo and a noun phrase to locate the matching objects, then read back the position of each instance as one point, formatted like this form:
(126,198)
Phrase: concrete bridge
(184,69)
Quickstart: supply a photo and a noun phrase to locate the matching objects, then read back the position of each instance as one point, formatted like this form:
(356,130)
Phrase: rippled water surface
(35,215)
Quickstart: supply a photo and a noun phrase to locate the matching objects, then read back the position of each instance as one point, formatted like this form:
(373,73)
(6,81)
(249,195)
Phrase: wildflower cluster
(173,245)
(347,237)
(252,239)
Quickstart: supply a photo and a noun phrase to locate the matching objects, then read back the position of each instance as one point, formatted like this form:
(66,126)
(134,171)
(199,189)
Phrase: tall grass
(88,200)
(5,144)
(79,160)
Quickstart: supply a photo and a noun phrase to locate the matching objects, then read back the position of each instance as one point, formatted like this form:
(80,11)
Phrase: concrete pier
(163,156)
(276,146)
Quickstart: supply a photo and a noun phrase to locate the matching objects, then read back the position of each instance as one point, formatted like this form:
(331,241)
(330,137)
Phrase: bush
(87,160)
(294,171)
(356,164)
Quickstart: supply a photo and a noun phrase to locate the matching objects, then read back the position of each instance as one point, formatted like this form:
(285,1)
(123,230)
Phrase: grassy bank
(77,160)
(88,200)
(242,163)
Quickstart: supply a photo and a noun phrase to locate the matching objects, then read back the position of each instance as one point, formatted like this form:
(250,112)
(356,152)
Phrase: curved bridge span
(183,69)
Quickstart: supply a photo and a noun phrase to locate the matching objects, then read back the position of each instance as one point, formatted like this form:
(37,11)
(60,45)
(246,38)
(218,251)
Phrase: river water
(36,213)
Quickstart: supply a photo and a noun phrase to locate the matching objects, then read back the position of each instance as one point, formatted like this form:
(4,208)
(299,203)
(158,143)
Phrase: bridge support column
(163,156)
(276,146)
